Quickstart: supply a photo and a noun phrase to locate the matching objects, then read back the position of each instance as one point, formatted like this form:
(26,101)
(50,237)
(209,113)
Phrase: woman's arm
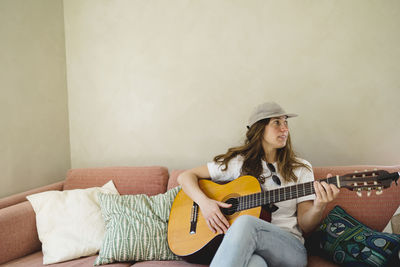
(210,208)
(309,213)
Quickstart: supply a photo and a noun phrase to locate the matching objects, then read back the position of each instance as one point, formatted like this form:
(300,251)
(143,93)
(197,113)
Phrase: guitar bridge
(193,218)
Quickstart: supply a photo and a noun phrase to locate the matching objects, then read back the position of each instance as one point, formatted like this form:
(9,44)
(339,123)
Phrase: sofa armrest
(21,197)
(18,232)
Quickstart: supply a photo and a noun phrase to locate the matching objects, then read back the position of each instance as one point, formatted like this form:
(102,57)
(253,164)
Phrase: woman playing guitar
(267,155)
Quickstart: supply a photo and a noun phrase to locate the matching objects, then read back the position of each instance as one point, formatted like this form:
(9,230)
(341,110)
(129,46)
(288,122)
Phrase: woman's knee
(242,228)
(298,259)
(249,223)
(257,261)
(245,222)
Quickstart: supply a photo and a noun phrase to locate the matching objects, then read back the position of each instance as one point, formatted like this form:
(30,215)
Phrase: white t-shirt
(286,216)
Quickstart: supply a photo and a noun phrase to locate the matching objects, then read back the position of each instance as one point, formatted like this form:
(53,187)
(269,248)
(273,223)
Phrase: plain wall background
(34,134)
(173,82)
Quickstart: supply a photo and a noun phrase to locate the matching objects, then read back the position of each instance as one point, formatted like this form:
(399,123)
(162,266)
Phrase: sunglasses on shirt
(271,207)
(275,177)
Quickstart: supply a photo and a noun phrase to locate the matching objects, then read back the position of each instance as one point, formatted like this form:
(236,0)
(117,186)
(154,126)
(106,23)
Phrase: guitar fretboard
(280,194)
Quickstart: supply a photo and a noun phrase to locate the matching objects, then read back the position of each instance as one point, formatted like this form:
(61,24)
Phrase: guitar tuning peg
(365,170)
(375,169)
(369,192)
(355,171)
(379,191)
(359,193)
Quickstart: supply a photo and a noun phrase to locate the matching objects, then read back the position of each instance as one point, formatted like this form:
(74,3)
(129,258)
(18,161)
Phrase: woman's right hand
(210,208)
(216,221)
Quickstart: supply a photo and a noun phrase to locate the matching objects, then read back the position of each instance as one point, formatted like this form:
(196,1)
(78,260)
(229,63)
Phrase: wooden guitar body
(200,245)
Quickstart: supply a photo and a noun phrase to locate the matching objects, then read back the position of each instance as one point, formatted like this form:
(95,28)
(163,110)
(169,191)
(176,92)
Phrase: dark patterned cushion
(350,243)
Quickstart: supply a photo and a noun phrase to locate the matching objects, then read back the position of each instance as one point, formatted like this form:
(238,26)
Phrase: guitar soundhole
(232,209)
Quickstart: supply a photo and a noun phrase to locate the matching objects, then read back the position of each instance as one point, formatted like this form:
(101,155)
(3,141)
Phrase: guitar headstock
(368,181)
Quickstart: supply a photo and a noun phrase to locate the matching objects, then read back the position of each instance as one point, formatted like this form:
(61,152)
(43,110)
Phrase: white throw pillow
(69,223)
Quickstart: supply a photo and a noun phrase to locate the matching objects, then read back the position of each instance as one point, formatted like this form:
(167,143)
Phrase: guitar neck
(281,194)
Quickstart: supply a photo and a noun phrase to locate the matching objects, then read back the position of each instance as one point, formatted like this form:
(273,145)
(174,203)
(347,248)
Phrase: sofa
(20,245)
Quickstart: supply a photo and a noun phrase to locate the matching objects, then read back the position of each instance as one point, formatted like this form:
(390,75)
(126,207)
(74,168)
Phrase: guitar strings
(255,200)
(283,194)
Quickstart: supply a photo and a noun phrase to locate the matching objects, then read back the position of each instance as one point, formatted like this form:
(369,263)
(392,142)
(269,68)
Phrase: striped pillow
(136,227)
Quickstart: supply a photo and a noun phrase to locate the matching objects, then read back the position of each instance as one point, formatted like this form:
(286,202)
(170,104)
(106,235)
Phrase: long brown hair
(253,153)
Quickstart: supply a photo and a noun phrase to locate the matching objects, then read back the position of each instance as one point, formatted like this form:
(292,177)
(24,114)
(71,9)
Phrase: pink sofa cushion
(316,261)
(127,180)
(18,222)
(36,260)
(173,178)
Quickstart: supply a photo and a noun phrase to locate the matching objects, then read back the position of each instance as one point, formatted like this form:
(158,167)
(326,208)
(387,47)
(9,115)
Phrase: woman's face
(276,133)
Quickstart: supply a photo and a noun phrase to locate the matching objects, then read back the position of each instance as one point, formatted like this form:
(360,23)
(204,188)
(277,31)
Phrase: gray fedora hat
(268,110)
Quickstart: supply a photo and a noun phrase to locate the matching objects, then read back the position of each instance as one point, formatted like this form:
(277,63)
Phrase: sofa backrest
(173,176)
(21,197)
(128,180)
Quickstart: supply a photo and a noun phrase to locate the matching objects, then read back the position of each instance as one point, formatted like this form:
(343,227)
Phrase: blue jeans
(250,241)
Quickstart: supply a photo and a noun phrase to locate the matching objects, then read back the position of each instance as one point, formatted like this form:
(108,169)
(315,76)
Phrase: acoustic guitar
(189,236)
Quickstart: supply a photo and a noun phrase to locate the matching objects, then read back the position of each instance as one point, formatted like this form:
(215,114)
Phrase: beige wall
(172,82)
(34,138)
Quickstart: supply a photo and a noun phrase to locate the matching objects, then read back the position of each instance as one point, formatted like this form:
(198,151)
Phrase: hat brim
(276,115)
(290,115)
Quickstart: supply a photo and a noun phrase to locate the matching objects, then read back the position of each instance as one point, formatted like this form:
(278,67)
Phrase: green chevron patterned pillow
(136,227)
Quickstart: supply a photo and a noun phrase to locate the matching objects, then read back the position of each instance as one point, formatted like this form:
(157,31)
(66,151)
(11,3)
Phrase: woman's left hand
(325,193)
(309,213)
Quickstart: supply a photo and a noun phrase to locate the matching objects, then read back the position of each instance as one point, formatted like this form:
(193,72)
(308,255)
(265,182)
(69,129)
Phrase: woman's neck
(270,155)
